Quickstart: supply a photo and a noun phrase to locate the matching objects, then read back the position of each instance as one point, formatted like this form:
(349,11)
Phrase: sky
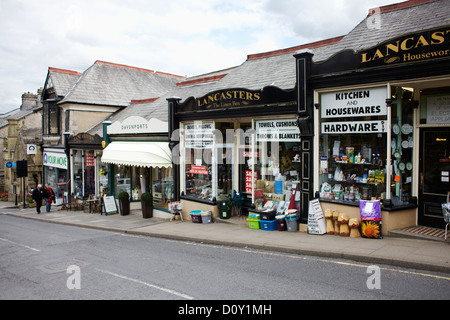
(182,37)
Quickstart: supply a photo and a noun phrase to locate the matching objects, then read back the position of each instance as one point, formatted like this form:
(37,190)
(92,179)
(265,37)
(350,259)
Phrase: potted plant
(147,205)
(124,202)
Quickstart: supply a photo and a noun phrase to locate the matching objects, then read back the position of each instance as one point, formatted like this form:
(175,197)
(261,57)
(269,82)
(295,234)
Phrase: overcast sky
(183,37)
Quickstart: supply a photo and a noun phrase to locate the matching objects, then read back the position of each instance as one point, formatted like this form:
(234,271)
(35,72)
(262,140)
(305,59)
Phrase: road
(41,260)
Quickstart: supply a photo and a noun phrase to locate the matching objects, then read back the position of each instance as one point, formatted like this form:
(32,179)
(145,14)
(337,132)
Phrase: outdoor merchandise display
(370,219)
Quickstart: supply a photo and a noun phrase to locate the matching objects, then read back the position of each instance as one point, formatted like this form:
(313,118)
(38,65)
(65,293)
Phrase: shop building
(74,104)
(241,131)
(381,114)
(137,157)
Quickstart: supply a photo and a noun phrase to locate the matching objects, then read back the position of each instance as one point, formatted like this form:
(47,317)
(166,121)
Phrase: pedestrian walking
(49,197)
(38,196)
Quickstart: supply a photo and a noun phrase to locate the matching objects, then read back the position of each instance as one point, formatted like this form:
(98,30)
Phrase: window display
(402,144)
(353,145)
(162,184)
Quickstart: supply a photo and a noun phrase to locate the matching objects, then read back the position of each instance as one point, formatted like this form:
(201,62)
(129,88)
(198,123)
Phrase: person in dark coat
(38,195)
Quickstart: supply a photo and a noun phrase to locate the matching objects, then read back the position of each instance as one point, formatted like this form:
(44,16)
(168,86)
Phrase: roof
(111,84)
(61,80)
(387,22)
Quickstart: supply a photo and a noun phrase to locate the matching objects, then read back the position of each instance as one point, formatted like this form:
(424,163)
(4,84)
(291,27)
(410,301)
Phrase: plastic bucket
(206,216)
(292,225)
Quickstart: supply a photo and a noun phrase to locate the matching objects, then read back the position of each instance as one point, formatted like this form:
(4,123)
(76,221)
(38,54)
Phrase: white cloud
(185,37)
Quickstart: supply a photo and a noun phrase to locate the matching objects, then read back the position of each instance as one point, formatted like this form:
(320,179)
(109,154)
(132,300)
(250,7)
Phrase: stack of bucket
(201,216)
(291,220)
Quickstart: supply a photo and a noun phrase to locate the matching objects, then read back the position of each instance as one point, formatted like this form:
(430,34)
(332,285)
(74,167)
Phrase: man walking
(38,196)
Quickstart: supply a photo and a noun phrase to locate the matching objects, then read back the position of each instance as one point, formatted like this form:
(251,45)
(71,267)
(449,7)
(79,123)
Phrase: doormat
(427,231)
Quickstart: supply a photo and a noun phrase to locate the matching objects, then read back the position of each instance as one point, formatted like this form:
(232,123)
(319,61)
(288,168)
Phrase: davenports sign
(56,160)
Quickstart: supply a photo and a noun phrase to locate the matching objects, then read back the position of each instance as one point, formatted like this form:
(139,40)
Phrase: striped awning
(139,154)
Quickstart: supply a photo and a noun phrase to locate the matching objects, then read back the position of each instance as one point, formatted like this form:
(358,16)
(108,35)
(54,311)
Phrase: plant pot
(124,207)
(147,209)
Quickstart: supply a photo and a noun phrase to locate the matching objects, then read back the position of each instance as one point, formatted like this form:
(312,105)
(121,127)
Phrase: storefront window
(162,187)
(139,182)
(278,167)
(353,144)
(199,142)
(77,173)
(122,179)
(402,145)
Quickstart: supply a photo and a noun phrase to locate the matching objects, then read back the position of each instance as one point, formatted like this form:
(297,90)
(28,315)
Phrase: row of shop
(319,121)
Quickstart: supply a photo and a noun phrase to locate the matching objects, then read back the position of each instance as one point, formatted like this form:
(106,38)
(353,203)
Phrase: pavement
(415,253)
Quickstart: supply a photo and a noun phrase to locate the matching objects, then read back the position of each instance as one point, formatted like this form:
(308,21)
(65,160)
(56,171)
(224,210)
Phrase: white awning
(139,154)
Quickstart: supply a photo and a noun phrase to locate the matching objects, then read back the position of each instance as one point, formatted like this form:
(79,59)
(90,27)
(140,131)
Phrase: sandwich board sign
(316,219)
(109,205)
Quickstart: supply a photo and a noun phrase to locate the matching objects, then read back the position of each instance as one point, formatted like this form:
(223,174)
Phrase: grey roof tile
(112,84)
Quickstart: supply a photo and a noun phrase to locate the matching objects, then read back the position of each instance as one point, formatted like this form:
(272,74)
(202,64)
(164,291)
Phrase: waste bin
(224,207)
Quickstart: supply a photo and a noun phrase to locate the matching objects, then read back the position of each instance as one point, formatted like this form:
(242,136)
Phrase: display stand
(175,210)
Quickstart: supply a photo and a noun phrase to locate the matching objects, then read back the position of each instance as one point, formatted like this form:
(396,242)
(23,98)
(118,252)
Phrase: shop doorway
(434,183)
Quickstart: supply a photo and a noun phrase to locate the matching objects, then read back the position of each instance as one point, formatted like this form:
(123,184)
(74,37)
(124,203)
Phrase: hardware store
(382,122)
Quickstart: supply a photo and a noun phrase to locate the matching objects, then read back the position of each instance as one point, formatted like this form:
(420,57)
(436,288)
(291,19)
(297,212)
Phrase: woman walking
(49,197)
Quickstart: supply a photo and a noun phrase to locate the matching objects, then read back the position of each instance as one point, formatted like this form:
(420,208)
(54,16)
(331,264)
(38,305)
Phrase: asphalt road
(40,260)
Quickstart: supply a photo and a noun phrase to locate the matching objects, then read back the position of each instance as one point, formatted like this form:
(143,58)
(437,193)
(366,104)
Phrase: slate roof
(111,84)
(61,80)
(394,20)
(277,68)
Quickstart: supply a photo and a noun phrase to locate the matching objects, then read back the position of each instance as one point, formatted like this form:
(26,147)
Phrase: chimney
(28,100)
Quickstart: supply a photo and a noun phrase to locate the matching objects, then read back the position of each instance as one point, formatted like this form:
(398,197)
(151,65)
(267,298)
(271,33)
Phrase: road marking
(181,295)
(19,244)
(299,257)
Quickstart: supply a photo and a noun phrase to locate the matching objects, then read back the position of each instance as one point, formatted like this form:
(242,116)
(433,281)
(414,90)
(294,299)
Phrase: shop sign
(354,127)
(90,160)
(438,110)
(354,103)
(198,170)
(228,98)
(31,149)
(137,125)
(423,46)
(56,160)
(249,154)
(282,130)
(199,134)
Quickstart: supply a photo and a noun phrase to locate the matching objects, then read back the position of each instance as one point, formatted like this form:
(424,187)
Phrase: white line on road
(19,244)
(181,295)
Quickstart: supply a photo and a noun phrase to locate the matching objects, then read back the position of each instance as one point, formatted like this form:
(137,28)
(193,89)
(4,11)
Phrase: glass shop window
(162,187)
(353,145)
(402,144)
(139,182)
(122,179)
